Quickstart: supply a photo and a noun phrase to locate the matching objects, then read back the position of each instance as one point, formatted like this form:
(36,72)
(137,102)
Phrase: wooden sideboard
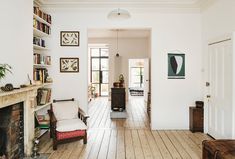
(196,119)
(118,99)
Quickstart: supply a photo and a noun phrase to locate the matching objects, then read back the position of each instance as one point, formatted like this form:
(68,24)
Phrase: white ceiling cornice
(136,4)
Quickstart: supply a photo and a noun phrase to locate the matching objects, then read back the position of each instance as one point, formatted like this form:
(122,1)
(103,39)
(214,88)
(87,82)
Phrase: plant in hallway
(4,69)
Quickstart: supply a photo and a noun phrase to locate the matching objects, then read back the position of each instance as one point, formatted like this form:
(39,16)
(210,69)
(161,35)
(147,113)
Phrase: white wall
(170,31)
(217,21)
(16,32)
(129,48)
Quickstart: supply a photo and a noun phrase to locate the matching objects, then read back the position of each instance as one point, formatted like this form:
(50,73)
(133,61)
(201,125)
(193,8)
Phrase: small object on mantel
(23,86)
(30,81)
(8,87)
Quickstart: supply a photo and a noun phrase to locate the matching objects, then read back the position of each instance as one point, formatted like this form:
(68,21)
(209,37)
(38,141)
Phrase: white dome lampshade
(118,14)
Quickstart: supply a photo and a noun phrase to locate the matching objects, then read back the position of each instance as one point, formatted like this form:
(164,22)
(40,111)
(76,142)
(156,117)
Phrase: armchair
(67,122)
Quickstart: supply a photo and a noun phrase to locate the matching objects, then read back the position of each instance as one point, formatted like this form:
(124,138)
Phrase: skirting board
(118,115)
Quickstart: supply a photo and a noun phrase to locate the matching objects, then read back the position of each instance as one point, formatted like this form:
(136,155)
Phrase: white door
(146,79)
(220,90)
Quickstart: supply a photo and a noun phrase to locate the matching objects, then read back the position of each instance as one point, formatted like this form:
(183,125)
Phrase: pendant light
(119,14)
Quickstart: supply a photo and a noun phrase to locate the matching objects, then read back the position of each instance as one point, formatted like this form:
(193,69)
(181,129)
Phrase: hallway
(130,138)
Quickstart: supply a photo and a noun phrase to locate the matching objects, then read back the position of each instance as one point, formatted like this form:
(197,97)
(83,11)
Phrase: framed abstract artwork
(176,66)
(69,38)
(69,64)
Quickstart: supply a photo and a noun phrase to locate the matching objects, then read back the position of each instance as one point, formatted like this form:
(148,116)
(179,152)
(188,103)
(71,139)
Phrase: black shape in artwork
(174,64)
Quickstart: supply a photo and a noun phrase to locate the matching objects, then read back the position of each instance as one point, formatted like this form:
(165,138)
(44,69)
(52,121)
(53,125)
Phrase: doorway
(139,77)
(220,99)
(123,44)
(99,61)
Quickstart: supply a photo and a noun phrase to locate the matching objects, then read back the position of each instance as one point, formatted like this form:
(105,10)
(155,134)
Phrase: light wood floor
(130,138)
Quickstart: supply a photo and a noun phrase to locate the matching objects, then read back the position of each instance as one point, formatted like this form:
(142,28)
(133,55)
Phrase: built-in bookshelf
(39,107)
(41,67)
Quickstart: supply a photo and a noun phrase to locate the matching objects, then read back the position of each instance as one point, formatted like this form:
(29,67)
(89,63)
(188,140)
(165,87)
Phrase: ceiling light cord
(117,54)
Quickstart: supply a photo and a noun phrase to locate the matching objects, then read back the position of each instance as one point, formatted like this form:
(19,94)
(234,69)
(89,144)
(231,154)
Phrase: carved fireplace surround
(27,96)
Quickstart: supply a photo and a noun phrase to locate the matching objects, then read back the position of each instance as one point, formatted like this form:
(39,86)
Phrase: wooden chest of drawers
(118,99)
(196,122)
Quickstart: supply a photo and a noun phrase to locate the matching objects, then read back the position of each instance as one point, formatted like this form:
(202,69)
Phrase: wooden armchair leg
(51,135)
(85,139)
(54,145)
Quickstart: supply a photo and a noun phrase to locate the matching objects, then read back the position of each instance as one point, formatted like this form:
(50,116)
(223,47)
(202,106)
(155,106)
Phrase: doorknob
(208,96)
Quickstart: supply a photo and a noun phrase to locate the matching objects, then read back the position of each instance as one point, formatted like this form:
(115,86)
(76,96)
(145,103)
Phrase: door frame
(215,40)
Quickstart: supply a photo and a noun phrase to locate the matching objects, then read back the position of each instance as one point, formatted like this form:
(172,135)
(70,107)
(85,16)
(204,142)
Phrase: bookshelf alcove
(41,67)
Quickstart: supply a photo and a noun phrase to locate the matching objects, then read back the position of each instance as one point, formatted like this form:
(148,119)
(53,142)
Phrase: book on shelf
(41,26)
(41,59)
(42,121)
(40,74)
(38,12)
(39,41)
(43,96)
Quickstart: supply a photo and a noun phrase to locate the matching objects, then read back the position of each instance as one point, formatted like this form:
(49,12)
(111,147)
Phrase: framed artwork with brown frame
(69,38)
(69,65)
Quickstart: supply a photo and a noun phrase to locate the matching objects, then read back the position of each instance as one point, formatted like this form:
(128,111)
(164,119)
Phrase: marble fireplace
(17,121)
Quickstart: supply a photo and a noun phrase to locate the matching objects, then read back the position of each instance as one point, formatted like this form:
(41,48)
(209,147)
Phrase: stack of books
(40,74)
(41,59)
(41,26)
(43,96)
(41,14)
(42,121)
(39,41)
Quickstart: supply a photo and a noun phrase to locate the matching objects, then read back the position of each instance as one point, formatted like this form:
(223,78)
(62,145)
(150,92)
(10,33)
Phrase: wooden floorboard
(129,138)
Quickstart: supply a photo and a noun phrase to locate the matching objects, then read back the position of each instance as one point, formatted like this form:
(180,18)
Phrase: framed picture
(69,38)
(69,64)
(176,66)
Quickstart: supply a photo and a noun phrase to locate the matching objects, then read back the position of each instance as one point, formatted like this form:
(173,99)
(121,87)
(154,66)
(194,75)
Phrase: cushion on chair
(65,110)
(70,134)
(70,125)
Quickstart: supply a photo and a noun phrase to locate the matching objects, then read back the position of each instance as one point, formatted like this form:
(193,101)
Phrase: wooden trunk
(218,149)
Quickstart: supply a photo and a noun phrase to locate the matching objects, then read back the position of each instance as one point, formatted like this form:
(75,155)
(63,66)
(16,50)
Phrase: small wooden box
(196,122)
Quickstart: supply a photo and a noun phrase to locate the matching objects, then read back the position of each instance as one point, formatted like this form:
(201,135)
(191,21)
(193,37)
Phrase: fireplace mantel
(27,96)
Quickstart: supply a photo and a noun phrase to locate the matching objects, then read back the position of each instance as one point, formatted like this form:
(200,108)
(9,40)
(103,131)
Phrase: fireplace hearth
(12,131)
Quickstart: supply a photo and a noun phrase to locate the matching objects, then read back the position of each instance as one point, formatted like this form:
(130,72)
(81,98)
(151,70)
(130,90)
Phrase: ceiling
(122,33)
(126,3)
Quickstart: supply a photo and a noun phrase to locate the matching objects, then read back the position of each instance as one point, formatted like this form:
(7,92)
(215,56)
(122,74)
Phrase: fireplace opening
(3,143)
(12,131)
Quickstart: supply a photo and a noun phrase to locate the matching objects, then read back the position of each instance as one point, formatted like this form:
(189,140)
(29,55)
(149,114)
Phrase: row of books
(40,74)
(41,59)
(41,14)
(43,96)
(42,121)
(41,26)
(39,41)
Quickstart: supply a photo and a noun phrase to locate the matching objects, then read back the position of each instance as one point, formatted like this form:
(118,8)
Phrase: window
(100,70)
